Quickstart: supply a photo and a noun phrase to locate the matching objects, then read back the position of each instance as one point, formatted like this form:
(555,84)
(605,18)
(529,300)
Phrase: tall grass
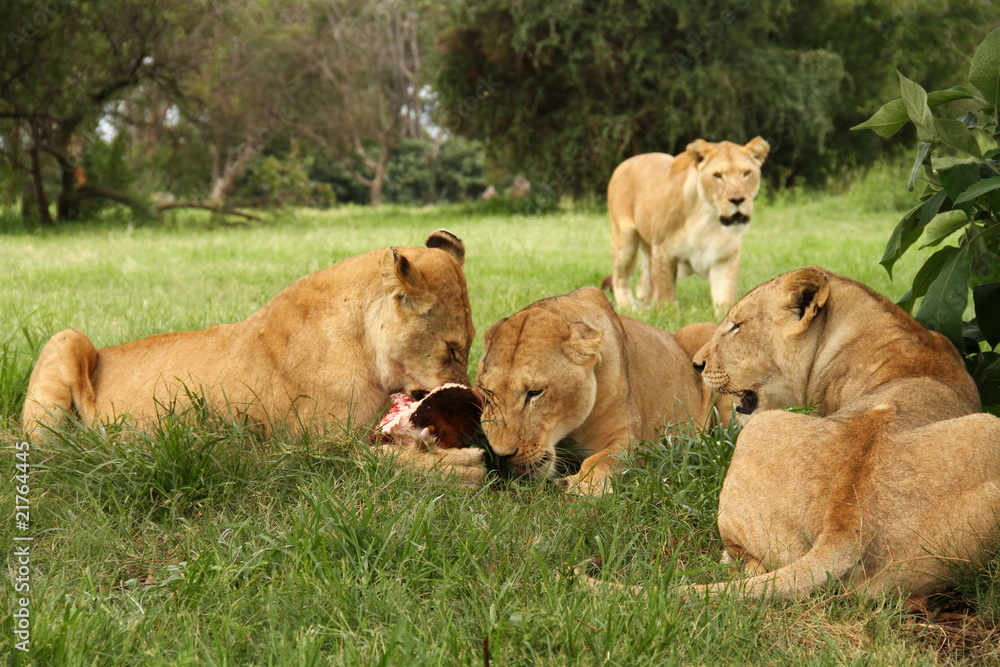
(204,542)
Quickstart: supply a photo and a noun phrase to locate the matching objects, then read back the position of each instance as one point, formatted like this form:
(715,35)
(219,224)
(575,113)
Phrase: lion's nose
(737,200)
(699,367)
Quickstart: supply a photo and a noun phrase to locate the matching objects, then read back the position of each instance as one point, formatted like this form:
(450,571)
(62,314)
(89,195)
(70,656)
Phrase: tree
(243,92)
(566,89)
(365,94)
(63,65)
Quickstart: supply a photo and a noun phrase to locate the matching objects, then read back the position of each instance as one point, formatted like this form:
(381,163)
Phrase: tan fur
(330,348)
(605,381)
(892,483)
(668,212)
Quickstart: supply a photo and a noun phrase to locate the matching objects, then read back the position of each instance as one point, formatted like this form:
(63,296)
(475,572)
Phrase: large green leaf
(900,239)
(923,151)
(957,179)
(915,100)
(930,208)
(888,120)
(943,306)
(938,97)
(954,133)
(984,73)
(943,226)
(978,189)
(909,229)
(987,300)
(925,276)
(947,161)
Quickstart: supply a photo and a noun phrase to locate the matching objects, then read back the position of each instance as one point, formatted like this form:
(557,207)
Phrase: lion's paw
(464,463)
(590,485)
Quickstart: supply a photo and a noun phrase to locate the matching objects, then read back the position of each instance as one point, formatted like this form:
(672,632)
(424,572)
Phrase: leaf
(954,133)
(957,179)
(984,73)
(950,161)
(888,120)
(925,276)
(892,116)
(930,208)
(943,306)
(923,150)
(987,300)
(915,100)
(943,226)
(978,189)
(937,97)
(899,240)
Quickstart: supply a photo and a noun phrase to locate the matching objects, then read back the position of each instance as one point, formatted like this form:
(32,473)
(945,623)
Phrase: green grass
(204,543)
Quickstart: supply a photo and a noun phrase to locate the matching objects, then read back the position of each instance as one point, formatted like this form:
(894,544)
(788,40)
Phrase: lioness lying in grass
(896,478)
(571,369)
(330,348)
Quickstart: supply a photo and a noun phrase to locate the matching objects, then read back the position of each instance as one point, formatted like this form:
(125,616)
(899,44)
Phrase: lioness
(331,347)
(895,478)
(683,215)
(570,368)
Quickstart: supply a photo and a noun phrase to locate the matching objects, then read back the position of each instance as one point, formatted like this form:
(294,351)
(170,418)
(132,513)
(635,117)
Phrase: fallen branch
(107,193)
(206,207)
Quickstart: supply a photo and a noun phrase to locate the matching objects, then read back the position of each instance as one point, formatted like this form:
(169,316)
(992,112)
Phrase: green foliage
(283,181)
(460,170)
(564,90)
(418,172)
(961,197)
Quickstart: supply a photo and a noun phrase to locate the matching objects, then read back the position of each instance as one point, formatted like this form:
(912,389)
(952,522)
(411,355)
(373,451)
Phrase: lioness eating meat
(683,215)
(330,348)
(894,480)
(570,368)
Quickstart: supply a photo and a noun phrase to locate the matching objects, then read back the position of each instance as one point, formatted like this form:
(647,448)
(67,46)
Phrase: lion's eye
(717,175)
(532,394)
(735,327)
(746,174)
(453,351)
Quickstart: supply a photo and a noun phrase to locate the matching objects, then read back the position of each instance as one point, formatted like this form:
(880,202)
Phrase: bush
(284,181)
(961,197)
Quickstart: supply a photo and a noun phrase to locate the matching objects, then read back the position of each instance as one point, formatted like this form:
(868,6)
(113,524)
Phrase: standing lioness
(683,215)
(896,478)
(570,369)
(331,347)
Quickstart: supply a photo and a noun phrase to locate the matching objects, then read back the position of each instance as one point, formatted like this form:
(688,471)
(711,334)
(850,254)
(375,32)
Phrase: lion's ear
(759,149)
(584,343)
(451,244)
(401,277)
(698,149)
(807,291)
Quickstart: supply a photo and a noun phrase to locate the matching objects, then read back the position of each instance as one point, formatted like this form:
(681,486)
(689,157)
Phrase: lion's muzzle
(737,218)
(748,402)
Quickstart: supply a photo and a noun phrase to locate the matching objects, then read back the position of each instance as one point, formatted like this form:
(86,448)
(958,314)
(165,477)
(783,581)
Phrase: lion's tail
(60,382)
(831,557)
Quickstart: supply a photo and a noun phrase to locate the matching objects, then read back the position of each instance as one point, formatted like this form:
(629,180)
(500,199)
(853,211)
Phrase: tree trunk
(68,204)
(44,216)
(377,185)
(222,181)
